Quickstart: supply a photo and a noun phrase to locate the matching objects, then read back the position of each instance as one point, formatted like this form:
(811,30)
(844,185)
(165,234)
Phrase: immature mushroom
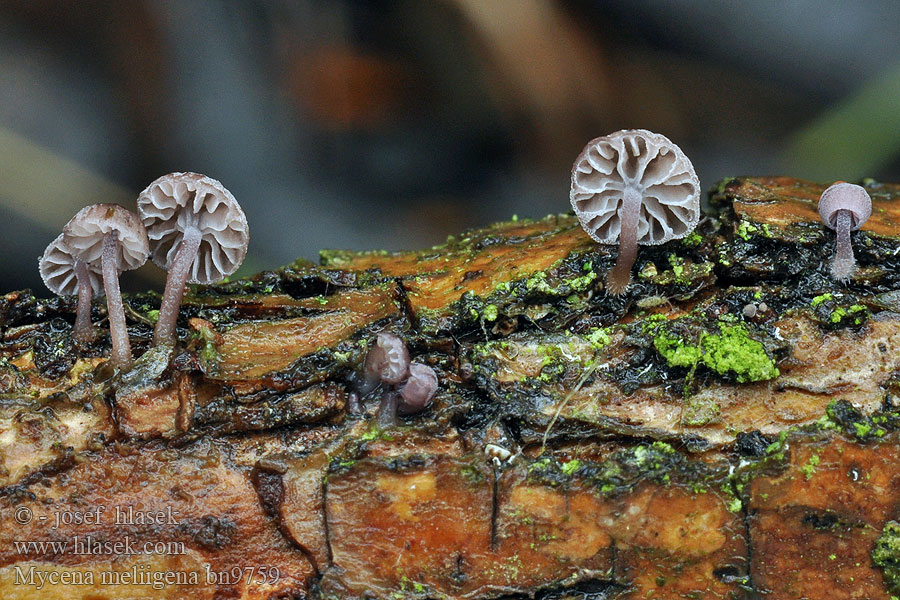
(115,238)
(387,361)
(634,187)
(419,389)
(198,233)
(65,275)
(844,207)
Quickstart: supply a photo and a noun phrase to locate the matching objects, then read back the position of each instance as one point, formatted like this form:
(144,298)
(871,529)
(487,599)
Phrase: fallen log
(727,427)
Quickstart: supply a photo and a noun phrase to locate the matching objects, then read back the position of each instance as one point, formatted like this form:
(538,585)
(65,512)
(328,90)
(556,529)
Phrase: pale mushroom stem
(83,331)
(844,263)
(175,284)
(120,356)
(386,416)
(619,276)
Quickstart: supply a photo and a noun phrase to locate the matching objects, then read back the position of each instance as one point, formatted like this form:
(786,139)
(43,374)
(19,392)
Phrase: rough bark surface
(727,428)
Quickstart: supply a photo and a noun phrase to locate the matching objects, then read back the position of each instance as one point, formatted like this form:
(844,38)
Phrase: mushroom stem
(175,284)
(386,416)
(619,276)
(120,356)
(844,263)
(83,331)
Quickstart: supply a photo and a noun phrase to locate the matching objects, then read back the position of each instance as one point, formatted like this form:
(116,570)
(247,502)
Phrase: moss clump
(731,351)
(886,555)
(598,338)
(734,351)
(490,312)
(826,297)
(570,467)
(676,351)
(692,239)
(853,315)
(745,229)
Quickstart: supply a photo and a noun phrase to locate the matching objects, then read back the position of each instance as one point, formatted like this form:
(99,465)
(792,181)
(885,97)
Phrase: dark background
(375,124)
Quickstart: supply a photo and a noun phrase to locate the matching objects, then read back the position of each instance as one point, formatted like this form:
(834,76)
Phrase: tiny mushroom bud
(115,238)
(198,233)
(419,389)
(634,187)
(65,275)
(844,207)
(387,361)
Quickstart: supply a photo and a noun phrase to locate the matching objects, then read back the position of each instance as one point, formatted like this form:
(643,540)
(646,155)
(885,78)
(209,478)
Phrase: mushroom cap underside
(57,268)
(84,234)
(179,200)
(644,162)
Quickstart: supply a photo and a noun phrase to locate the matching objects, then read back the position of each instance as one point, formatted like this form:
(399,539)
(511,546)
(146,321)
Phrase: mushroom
(65,275)
(115,238)
(387,361)
(634,187)
(198,234)
(419,389)
(844,207)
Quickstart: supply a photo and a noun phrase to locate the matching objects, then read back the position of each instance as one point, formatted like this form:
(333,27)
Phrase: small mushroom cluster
(410,385)
(189,224)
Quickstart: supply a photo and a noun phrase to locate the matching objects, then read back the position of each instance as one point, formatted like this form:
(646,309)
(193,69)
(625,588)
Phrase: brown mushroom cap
(178,200)
(644,162)
(57,267)
(849,197)
(84,232)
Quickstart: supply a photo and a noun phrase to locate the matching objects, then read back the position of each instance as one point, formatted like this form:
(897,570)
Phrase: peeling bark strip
(726,428)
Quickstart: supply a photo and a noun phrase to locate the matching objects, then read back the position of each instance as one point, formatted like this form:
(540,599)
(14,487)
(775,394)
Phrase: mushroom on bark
(844,207)
(65,275)
(114,238)
(634,187)
(387,361)
(198,233)
(419,389)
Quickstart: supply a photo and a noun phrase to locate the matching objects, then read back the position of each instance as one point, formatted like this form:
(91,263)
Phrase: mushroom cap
(845,196)
(84,232)
(419,389)
(57,268)
(639,160)
(178,200)
(387,359)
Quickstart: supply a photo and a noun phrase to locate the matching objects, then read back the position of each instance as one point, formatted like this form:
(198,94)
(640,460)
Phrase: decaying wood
(727,428)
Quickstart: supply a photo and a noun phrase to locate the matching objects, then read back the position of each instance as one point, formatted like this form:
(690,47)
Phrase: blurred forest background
(371,124)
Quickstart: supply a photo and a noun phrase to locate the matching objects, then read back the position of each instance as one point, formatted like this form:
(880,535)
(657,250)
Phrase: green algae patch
(730,352)
(734,351)
(886,555)
(677,351)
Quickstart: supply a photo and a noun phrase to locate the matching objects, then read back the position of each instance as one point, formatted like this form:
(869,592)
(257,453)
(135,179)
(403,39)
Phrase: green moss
(153,315)
(745,229)
(571,466)
(692,239)
(731,351)
(886,555)
(862,429)
(734,351)
(206,346)
(490,312)
(809,469)
(735,505)
(676,351)
(677,264)
(827,297)
(598,338)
